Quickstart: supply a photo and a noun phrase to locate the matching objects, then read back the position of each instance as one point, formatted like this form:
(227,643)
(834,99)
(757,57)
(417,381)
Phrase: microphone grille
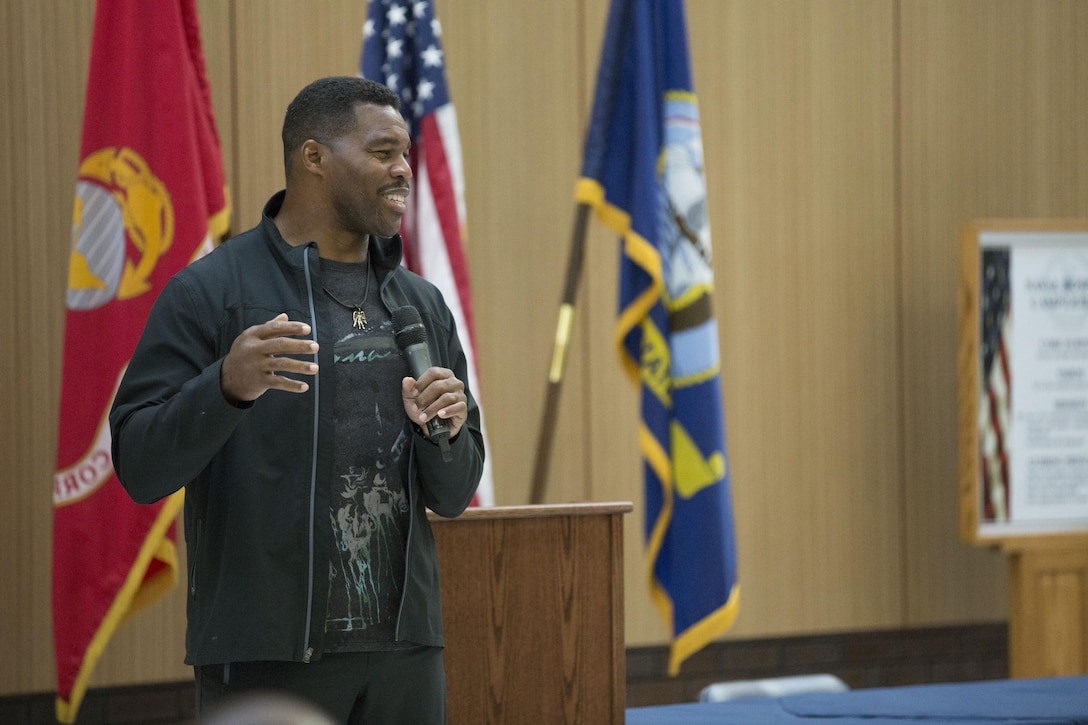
(405,316)
(408,326)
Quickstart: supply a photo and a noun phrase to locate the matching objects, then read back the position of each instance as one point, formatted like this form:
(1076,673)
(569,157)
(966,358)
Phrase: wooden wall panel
(42,79)
(513,72)
(216,28)
(277,47)
(994,124)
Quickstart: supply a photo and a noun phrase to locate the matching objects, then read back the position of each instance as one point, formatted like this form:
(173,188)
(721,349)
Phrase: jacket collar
(385,252)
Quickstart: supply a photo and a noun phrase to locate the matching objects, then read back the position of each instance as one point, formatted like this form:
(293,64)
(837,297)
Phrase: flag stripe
(442,257)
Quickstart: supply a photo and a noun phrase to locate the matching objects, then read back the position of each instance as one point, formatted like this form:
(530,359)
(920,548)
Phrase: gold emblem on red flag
(117,198)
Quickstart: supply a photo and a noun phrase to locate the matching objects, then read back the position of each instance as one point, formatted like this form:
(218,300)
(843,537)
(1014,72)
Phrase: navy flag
(643,174)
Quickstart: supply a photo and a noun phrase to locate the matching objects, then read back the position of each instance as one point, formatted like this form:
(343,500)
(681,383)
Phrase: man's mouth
(397,196)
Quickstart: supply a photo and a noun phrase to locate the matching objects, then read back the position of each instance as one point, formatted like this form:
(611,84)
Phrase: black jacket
(256,478)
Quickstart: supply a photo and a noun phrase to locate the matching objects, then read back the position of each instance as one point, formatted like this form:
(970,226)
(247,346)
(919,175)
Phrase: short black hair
(325,110)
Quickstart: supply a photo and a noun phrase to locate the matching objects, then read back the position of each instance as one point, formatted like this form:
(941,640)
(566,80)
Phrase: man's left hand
(437,392)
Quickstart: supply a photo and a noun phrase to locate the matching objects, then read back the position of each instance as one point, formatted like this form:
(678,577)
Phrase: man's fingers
(290,346)
(263,353)
(437,390)
(290,385)
(280,326)
(280,364)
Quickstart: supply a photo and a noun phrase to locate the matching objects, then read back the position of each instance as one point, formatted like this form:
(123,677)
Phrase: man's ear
(312,153)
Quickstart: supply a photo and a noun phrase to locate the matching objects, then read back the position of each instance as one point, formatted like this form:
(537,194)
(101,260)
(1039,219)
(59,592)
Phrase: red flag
(150,197)
(402,48)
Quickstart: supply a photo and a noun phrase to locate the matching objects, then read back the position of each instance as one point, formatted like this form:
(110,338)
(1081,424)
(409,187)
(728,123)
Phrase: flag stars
(408,52)
(397,15)
(368,28)
(432,57)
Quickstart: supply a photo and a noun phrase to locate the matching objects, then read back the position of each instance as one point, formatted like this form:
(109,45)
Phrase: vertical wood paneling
(278,46)
(216,28)
(993,125)
(796,111)
(42,81)
(513,71)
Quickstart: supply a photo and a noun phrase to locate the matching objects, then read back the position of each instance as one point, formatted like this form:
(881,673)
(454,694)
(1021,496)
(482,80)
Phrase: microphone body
(411,337)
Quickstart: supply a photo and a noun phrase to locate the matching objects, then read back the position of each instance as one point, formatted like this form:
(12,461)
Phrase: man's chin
(391,231)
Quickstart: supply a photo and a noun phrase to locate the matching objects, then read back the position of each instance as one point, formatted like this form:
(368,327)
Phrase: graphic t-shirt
(369,509)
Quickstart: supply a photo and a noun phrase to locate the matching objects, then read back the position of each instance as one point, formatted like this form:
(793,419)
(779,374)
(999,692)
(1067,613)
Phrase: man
(269,385)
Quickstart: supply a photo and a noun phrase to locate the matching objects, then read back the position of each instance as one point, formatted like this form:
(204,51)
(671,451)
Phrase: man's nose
(402,169)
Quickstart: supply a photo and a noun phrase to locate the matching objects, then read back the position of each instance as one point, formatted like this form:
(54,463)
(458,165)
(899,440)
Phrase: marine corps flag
(150,197)
(643,173)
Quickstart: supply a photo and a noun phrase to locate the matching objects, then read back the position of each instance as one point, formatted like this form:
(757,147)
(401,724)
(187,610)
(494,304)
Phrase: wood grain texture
(533,609)
(1048,630)
(42,78)
(993,125)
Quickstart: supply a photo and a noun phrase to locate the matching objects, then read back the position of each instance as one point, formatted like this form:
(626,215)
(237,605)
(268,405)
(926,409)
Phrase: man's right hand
(258,356)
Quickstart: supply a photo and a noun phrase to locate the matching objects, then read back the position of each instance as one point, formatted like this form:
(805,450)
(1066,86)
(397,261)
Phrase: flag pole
(562,339)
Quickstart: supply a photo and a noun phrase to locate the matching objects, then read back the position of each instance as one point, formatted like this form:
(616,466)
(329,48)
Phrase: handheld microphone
(411,337)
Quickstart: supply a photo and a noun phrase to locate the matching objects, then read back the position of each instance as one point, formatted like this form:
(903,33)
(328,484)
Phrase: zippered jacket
(257,476)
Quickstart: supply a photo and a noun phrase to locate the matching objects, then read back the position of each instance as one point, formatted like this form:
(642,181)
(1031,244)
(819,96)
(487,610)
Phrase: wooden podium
(532,600)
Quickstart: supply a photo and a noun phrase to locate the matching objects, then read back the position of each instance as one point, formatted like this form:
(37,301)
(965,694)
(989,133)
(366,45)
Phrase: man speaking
(269,384)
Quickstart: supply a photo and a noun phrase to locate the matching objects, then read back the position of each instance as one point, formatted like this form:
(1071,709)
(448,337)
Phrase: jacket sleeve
(448,487)
(169,417)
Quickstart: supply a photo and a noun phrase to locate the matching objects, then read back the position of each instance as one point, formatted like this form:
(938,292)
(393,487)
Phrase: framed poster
(1023,375)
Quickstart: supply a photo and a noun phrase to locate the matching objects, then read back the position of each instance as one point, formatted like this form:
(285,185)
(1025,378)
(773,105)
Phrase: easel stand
(1048,613)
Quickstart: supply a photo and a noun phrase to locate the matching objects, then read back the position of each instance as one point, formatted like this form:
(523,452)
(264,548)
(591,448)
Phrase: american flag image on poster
(994,400)
(402,48)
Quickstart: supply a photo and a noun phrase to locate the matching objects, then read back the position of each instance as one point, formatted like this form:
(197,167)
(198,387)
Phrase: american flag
(402,48)
(994,402)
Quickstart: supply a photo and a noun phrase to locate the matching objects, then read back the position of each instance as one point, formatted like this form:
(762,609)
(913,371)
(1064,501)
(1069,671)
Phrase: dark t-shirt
(369,510)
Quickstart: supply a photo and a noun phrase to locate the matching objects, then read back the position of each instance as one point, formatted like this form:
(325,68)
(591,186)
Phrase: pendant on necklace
(358,318)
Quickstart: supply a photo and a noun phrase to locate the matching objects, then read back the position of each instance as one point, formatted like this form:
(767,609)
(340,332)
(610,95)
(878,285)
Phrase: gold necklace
(358,316)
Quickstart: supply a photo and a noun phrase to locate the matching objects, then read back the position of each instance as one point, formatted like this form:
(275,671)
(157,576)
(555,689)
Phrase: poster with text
(1033,401)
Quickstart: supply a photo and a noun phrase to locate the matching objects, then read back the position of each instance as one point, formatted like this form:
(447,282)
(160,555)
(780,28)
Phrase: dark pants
(356,688)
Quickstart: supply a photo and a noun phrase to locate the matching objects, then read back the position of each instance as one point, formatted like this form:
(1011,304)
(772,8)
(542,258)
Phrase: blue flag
(643,174)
